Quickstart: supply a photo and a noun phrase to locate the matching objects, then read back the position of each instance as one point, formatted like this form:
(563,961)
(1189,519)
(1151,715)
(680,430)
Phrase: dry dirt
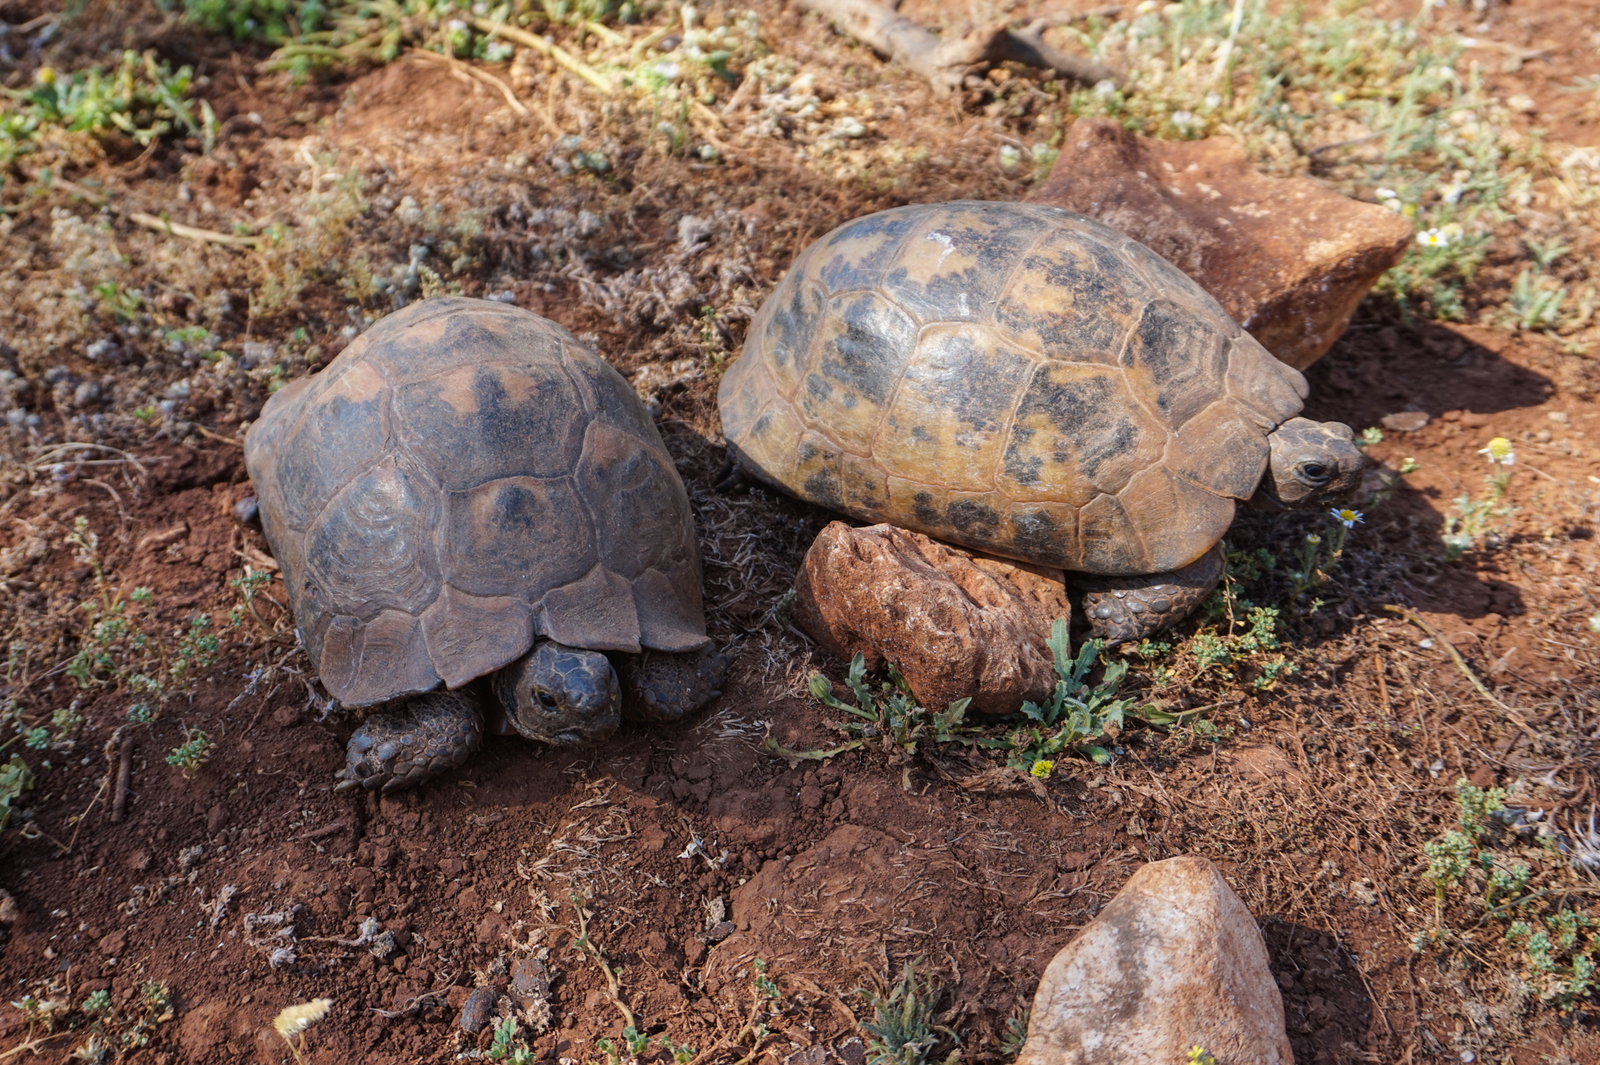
(696,856)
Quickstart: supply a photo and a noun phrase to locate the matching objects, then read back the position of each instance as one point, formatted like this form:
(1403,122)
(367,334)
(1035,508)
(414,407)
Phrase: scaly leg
(1133,608)
(662,687)
(401,748)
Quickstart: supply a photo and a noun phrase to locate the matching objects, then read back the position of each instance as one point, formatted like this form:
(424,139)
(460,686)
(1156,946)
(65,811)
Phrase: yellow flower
(1042,768)
(45,75)
(1338,98)
(1499,452)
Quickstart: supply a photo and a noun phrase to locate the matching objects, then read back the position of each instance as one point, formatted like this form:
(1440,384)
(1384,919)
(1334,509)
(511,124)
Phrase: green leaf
(1060,644)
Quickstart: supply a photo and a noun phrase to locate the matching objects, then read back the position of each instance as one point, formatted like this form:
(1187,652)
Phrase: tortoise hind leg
(662,687)
(401,748)
(1133,608)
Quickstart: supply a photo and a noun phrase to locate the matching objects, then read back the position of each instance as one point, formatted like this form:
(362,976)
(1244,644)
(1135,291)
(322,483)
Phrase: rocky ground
(732,905)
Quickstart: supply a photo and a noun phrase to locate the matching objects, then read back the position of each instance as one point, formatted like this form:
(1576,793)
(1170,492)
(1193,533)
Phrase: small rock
(720,931)
(1287,258)
(1173,961)
(451,866)
(1406,421)
(491,929)
(9,910)
(955,623)
(478,1010)
(530,978)
(216,819)
(113,944)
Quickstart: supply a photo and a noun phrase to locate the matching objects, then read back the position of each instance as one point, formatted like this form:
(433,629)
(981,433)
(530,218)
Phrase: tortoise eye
(546,700)
(1316,472)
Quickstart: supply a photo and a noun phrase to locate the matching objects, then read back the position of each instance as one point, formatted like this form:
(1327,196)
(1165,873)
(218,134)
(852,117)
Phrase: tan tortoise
(468,491)
(1025,381)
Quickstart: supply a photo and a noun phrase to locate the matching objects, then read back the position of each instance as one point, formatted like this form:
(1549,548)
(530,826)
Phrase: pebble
(479,1008)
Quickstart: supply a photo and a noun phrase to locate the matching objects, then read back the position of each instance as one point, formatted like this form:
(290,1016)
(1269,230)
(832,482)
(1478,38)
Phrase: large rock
(1287,258)
(1173,961)
(954,622)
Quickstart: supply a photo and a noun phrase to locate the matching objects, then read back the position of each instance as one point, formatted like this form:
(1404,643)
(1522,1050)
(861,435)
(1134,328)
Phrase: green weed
(508,1048)
(15,778)
(109,1032)
(1553,952)
(121,647)
(258,20)
(1535,302)
(1558,958)
(120,1034)
(904,1029)
(142,99)
(192,753)
(891,714)
(1084,713)
(1486,517)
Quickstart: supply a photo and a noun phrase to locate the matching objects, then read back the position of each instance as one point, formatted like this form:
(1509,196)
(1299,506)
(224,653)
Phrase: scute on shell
(463,477)
(1010,377)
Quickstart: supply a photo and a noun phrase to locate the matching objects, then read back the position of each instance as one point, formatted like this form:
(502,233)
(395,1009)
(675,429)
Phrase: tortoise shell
(1011,377)
(463,477)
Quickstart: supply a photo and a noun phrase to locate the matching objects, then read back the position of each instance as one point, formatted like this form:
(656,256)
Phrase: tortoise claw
(401,749)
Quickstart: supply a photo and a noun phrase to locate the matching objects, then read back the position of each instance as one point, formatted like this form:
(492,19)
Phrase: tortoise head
(1313,464)
(561,695)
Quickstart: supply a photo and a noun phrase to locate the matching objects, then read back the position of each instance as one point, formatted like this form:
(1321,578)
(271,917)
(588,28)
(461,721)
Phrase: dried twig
(945,61)
(1461,664)
(562,57)
(150,221)
(178,229)
(481,75)
(119,801)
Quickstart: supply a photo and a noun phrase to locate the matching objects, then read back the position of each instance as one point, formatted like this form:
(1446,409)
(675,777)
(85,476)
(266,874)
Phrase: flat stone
(1405,421)
(1286,257)
(1174,961)
(956,623)
(478,1010)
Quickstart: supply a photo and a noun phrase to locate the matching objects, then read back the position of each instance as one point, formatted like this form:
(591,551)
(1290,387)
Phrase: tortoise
(1030,383)
(468,491)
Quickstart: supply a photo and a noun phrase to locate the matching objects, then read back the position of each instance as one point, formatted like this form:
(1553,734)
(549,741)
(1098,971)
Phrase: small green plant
(192,753)
(1320,552)
(1084,713)
(121,1034)
(508,1048)
(1015,1036)
(15,778)
(681,1055)
(142,99)
(1559,963)
(890,714)
(1554,952)
(904,1029)
(259,20)
(1535,302)
(1482,518)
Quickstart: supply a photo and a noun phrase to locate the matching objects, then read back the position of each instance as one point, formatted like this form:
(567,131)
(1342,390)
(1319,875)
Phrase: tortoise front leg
(1133,608)
(401,748)
(662,687)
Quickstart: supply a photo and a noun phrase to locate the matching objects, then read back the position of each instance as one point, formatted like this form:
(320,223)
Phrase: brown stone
(955,623)
(1174,961)
(1286,257)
